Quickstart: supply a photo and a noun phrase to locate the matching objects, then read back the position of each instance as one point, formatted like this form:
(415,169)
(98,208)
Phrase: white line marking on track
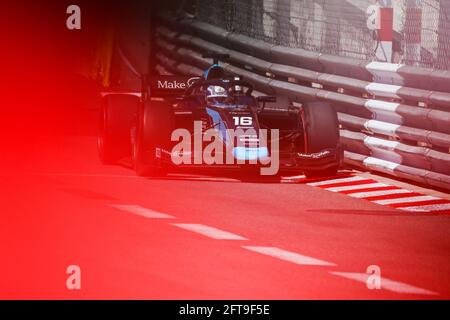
(360,186)
(341,180)
(387,284)
(288,256)
(293,177)
(406,200)
(378,193)
(141,211)
(209,231)
(428,208)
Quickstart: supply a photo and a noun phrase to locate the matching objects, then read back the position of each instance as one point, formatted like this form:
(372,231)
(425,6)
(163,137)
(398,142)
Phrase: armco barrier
(395,119)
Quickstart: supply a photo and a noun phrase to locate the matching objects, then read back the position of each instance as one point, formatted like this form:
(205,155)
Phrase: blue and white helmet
(216,93)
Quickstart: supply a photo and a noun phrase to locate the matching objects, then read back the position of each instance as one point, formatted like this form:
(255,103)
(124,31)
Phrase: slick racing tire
(116,116)
(153,133)
(321,131)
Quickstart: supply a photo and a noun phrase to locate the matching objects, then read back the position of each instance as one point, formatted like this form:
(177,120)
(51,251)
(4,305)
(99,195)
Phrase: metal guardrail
(395,119)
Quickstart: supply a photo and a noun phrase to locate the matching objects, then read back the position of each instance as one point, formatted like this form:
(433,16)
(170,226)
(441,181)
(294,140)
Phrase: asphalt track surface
(197,236)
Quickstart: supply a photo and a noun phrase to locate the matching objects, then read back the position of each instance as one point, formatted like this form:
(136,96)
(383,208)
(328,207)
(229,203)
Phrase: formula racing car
(216,121)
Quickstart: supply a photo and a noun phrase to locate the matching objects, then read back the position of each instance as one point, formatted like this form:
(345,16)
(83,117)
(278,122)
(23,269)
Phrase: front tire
(153,132)
(321,132)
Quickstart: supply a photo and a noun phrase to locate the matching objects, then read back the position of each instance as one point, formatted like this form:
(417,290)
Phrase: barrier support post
(386,32)
(413,31)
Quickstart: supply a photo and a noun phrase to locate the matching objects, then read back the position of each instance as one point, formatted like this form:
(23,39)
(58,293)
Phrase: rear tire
(154,129)
(117,113)
(321,131)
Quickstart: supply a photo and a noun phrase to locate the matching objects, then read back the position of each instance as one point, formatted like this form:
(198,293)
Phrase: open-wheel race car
(216,121)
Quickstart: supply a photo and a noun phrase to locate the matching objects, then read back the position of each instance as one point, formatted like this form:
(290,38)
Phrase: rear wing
(216,56)
(170,86)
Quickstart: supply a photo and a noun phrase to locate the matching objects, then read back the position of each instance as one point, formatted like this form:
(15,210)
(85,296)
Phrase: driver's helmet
(216,94)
